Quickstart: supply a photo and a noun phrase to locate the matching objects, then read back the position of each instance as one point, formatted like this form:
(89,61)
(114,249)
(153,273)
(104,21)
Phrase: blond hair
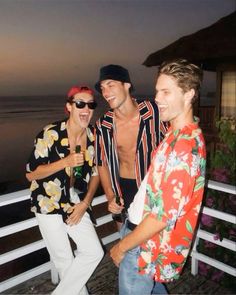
(187,75)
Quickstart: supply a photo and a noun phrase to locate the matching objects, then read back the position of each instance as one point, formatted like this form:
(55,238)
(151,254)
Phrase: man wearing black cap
(126,136)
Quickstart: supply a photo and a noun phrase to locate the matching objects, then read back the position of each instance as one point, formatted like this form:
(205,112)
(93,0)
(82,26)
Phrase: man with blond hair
(158,233)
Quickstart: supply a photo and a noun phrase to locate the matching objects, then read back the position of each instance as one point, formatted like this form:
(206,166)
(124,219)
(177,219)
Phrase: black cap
(113,72)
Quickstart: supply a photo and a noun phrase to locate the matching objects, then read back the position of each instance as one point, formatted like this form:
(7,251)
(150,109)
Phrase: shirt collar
(144,110)
(190,126)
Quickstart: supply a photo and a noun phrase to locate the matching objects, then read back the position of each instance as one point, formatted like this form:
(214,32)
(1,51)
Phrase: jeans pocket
(134,251)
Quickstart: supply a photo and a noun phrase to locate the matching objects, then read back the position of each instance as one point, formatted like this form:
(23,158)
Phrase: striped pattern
(151,131)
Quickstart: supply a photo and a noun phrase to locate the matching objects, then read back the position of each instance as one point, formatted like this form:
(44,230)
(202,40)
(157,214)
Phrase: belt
(131,225)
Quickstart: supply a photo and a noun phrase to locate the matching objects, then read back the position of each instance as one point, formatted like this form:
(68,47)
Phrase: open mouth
(84,116)
(108,99)
(162,108)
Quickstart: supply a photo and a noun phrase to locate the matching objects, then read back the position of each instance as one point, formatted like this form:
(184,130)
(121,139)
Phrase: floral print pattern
(174,193)
(51,194)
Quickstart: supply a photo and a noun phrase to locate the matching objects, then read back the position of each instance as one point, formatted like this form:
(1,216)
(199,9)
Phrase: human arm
(50,153)
(144,231)
(103,169)
(78,210)
(45,170)
(174,196)
(106,182)
(104,174)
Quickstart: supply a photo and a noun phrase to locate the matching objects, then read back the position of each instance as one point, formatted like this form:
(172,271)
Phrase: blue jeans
(130,281)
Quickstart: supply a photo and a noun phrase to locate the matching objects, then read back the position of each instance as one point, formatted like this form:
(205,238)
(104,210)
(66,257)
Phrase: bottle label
(78,169)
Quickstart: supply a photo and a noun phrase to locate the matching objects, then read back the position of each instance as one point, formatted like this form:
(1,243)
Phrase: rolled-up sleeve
(39,154)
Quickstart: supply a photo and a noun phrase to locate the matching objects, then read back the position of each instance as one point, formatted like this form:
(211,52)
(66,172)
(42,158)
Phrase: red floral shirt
(174,191)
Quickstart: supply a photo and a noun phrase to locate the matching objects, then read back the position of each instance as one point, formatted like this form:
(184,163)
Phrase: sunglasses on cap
(81,104)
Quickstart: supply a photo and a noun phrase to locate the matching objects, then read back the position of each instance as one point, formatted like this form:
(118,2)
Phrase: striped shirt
(151,132)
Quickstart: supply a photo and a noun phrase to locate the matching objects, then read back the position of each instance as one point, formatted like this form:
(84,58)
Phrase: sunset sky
(49,45)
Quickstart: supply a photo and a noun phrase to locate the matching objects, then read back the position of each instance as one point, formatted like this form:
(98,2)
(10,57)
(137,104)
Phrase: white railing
(202,234)
(35,246)
(48,266)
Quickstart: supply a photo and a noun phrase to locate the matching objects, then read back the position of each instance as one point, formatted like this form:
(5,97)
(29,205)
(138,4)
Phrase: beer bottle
(120,217)
(78,169)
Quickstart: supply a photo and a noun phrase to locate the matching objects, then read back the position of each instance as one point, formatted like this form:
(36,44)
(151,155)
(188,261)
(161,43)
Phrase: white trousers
(74,272)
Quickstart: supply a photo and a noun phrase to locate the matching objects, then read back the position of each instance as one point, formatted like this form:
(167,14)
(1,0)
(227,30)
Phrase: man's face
(170,99)
(114,92)
(81,115)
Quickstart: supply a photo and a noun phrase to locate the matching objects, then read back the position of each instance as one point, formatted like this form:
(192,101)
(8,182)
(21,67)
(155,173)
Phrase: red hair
(74,90)
(78,89)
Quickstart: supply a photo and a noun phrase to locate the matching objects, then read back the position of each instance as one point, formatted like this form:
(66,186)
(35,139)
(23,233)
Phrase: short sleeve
(42,147)
(171,188)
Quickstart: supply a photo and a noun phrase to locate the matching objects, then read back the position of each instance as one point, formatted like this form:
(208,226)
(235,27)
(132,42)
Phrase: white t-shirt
(135,210)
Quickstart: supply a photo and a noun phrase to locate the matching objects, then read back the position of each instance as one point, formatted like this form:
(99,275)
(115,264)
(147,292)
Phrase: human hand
(76,213)
(117,254)
(74,160)
(113,207)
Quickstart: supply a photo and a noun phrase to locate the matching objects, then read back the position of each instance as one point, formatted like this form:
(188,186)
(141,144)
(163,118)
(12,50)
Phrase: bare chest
(126,138)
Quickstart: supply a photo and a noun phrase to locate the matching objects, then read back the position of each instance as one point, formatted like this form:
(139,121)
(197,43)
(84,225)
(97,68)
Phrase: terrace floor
(104,282)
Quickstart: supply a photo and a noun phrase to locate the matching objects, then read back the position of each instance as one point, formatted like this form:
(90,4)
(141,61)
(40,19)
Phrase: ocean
(21,118)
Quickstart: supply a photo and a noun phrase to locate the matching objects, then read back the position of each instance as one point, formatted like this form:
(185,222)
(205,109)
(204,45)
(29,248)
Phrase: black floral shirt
(51,195)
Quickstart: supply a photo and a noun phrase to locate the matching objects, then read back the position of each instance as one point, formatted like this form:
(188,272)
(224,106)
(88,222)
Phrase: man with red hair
(61,197)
